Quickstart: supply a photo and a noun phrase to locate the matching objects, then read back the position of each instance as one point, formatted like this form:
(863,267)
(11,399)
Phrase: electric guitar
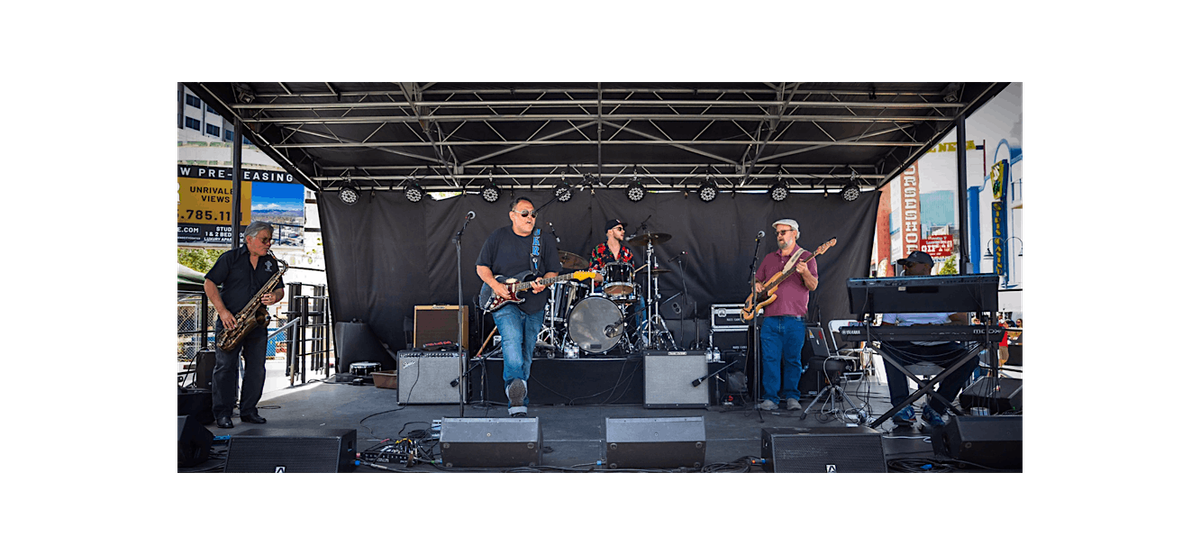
(757,301)
(489,300)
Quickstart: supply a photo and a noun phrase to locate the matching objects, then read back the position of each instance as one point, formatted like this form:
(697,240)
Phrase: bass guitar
(757,301)
(489,300)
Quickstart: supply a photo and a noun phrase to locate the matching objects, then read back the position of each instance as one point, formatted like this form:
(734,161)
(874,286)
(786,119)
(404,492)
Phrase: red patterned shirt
(602,255)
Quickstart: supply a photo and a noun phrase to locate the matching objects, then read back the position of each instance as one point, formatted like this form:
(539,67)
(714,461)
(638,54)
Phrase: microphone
(470,215)
(552,232)
(762,234)
(611,330)
(681,253)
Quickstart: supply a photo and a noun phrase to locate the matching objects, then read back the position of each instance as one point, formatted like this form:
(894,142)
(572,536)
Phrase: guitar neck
(785,274)
(545,281)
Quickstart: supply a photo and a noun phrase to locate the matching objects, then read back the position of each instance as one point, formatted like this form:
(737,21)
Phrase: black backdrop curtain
(384,254)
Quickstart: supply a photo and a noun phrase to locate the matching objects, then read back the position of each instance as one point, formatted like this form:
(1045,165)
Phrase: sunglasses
(525,213)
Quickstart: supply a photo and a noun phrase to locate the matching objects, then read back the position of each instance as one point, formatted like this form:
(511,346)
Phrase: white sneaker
(767,404)
(794,404)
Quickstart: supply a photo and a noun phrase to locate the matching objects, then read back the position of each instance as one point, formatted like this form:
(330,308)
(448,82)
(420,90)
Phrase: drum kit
(608,320)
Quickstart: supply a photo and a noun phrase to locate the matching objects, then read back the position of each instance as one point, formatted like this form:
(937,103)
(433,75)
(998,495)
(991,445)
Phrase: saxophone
(252,315)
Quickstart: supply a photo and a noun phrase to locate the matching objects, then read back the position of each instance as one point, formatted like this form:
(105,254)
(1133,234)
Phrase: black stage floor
(573,435)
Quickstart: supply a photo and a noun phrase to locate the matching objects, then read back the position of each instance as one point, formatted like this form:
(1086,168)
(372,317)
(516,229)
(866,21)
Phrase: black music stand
(966,293)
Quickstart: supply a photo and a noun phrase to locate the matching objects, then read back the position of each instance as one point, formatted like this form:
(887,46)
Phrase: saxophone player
(241,273)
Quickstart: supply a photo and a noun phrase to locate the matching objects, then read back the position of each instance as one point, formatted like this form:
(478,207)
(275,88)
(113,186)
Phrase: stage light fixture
(707,191)
(635,191)
(414,192)
(779,192)
(562,192)
(850,192)
(491,192)
(348,194)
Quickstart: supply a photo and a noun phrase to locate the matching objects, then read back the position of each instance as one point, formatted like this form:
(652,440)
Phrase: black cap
(919,257)
(611,224)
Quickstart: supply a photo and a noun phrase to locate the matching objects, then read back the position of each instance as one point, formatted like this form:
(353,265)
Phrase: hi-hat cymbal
(655,271)
(656,238)
(572,261)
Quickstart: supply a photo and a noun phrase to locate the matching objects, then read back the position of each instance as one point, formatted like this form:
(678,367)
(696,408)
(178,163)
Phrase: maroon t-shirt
(792,296)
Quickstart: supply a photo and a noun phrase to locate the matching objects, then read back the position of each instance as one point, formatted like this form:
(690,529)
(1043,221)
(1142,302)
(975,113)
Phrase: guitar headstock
(582,275)
(825,246)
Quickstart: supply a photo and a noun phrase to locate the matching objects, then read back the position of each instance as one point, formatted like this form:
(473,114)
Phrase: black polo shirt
(507,254)
(238,280)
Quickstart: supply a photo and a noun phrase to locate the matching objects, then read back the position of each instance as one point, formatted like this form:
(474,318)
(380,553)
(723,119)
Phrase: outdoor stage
(574,435)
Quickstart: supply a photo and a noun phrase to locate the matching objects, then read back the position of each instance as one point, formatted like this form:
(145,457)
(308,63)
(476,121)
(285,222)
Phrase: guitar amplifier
(727,317)
(424,378)
(436,323)
(669,376)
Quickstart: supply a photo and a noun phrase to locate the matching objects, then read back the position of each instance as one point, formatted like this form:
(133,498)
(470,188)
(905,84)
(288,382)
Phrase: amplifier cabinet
(491,442)
(998,395)
(654,442)
(829,450)
(194,441)
(428,378)
(436,323)
(281,450)
(669,376)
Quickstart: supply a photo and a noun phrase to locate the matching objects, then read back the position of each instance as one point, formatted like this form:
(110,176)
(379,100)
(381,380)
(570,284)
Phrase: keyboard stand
(926,387)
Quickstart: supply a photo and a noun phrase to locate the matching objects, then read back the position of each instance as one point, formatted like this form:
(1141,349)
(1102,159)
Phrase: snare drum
(618,280)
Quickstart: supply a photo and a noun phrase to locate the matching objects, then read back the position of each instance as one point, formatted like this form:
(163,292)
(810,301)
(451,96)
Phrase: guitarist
(783,331)
(510,252)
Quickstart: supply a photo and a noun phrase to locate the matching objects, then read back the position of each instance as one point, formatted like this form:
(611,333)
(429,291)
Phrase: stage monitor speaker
(491,442)
(654,442)
(428,378)
(669,378)
(196,402)
(998,395)
(829,450)
(281,450)
(436,323)
(357,343)
(989,441)
(194,441)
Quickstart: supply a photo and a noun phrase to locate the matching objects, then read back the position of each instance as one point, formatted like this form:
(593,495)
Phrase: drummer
(612,251)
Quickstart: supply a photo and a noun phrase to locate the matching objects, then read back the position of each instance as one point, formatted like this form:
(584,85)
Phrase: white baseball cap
(789,222)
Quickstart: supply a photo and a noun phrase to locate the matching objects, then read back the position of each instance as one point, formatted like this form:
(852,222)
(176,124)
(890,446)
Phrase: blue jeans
(781,338)
(518,336)
(253,351)
(943,355)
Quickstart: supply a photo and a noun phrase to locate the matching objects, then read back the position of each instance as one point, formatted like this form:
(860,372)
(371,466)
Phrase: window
(229,135)
(213,130)
(192,123)
(210,110)
(193,101)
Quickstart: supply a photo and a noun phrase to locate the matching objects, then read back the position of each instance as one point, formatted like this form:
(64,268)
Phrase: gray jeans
(252,350)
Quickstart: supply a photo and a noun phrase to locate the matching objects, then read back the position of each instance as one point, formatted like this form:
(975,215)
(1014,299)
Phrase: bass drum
(596,325)
(565,294)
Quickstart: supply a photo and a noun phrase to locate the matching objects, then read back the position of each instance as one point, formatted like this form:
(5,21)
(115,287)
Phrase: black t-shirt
(238,280)
(508,254)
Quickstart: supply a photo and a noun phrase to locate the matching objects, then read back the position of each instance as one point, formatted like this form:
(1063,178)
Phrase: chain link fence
(190,320)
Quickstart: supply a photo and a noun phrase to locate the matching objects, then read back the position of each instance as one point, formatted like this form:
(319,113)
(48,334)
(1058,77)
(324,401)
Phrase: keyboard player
(941,353)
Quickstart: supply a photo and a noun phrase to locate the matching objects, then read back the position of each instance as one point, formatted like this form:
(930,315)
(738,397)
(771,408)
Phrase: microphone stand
(462,361)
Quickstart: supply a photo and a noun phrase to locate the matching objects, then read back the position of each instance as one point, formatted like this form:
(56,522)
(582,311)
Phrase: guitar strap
(536,252)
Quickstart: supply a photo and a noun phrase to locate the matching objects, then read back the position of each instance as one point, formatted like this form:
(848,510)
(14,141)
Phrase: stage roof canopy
(463,136)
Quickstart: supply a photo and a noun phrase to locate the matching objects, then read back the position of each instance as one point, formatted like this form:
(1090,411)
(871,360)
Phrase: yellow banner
(210,201)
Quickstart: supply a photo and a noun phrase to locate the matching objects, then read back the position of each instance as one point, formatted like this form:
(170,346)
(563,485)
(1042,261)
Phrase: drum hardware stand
(655,328)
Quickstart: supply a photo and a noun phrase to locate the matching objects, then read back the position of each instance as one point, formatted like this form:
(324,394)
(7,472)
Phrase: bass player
(783,331)
(514,251)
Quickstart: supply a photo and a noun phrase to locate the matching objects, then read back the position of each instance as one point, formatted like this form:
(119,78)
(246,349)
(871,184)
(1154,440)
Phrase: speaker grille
(285,451)
(426,377)
(669,376)
(823,450)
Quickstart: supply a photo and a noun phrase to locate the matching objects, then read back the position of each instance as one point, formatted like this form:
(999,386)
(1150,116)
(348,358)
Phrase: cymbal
(572,261)
(656,238)
(655,271)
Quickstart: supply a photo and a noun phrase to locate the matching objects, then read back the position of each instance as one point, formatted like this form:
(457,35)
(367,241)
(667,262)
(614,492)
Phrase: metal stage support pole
(965,264)
(234,215)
